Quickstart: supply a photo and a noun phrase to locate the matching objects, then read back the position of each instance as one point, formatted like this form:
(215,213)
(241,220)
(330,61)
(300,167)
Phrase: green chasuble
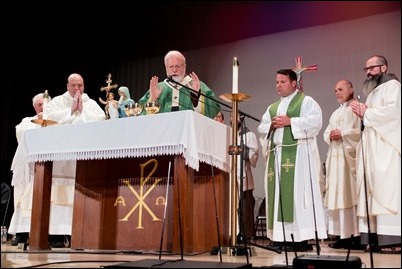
(207,106)
(287,163)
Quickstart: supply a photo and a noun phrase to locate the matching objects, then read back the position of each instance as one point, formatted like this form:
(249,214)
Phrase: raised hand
(154,90)
(195,81)
(358,108)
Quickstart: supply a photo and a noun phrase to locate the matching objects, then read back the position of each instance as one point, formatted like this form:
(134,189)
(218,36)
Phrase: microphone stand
(312,196)
(242,235)
(365,190)
(280,203)
(241,238)
(170,79)
(164,212)
(233,149)
(277,167)
(216,212)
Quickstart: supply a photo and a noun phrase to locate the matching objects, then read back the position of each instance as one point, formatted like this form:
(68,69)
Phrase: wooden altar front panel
(120,204)
(39,233)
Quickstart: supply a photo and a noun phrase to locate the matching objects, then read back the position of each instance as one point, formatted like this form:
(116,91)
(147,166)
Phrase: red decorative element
(299,69)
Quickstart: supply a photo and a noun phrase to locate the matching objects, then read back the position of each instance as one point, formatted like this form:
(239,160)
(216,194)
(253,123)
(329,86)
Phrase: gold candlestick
(234,150)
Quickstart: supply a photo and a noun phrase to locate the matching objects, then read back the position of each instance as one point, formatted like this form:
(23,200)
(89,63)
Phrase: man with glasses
(171,96)
(379,158)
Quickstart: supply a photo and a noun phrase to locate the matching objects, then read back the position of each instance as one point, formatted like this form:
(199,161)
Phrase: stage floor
(14,257)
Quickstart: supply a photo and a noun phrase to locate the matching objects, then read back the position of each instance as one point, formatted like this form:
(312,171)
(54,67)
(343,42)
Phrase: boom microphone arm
(170,79)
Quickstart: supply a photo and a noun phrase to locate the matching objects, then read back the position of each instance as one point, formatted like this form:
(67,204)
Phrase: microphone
(361,121)
(270,132)
(170,79)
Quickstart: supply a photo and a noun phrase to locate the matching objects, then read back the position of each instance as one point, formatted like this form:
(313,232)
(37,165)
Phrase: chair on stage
(260,219)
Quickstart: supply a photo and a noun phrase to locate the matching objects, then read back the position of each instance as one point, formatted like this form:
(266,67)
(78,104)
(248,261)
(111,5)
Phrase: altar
(142,183)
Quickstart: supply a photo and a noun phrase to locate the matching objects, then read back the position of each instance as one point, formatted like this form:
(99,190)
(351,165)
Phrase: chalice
(152,107)
(129,110)
(137,109)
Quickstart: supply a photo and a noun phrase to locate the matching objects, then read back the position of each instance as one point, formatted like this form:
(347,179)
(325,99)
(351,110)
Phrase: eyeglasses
(371,67)
(175,66)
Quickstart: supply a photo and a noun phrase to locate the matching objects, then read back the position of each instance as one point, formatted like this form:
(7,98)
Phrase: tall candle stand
(234,150)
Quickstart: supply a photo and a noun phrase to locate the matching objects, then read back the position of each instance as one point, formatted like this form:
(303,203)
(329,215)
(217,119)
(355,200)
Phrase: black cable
(168,261)
(66,262)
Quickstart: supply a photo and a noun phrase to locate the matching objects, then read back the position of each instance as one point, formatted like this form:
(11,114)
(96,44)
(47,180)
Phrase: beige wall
(339,50)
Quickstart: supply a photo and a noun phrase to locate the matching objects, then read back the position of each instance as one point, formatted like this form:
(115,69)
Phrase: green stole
(287,165)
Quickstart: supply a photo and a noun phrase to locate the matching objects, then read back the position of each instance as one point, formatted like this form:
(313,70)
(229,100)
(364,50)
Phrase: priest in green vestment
(174,97)
(293,169)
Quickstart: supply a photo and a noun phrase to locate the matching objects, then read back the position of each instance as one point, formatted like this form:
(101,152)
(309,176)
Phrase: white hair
(38,97)
(174,53)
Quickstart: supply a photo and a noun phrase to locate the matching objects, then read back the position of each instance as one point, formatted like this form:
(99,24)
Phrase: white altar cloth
(198,138)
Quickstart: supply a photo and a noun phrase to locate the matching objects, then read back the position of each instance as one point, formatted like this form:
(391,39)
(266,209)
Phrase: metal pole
(234,200)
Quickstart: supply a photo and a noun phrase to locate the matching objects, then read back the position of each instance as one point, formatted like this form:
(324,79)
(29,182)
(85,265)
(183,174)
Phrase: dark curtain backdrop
(136,74)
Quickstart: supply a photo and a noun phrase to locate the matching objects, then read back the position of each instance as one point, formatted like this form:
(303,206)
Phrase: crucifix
(107,89)
(109,86)
(299,69)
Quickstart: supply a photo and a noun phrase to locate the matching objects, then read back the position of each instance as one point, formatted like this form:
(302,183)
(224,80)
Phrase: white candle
(235,85)
(45,101)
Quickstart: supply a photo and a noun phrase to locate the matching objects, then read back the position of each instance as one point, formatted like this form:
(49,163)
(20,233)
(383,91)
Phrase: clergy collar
(346,103)
(184,81)
(290,95)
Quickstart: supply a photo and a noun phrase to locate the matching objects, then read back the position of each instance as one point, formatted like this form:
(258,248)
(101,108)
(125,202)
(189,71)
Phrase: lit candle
(235,89)
(45,97)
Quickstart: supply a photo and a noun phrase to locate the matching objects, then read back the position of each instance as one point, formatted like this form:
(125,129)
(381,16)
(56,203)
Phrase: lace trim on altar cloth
(107,154)
(191,159)
(208,159)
